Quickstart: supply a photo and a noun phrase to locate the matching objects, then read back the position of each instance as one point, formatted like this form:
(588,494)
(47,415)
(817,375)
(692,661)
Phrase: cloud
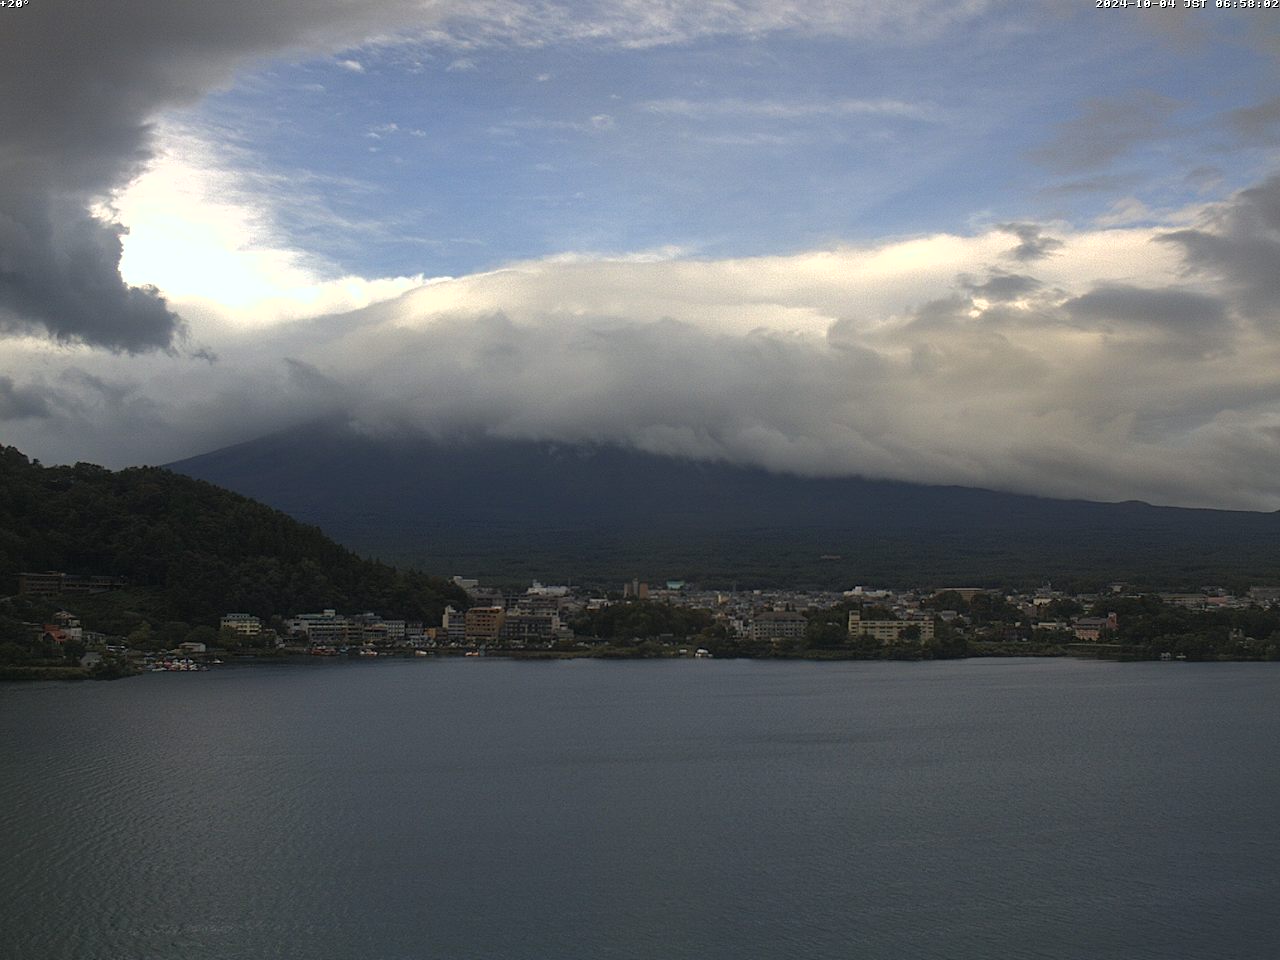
(1169,320)
(1177,309)
(83,85)
(595,124)
(203,230)
(61,274)
(1104,371)
(1032,243)
(1258,124)
(1239,244)
(1099,372)
(1030,356)
(18,403)
(1105,130)
(1101,183)
(1001,287)
(642,23)
(787,110)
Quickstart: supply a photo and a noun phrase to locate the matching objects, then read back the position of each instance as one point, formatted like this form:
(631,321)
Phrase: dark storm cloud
(61,273)
(81,84)
(1032,244)
(1105,130)
(1242,247)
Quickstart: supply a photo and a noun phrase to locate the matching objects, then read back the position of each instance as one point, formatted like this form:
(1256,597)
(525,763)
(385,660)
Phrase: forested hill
(195,550)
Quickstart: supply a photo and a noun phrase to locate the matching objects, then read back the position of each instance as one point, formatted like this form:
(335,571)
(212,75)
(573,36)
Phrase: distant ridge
(516,509)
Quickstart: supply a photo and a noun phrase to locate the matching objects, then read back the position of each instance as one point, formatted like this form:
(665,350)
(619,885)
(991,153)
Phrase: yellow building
(245,624)
(888,631)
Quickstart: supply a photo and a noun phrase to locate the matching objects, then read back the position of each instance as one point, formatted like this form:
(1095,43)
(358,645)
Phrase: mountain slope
(514,510)
(195,550)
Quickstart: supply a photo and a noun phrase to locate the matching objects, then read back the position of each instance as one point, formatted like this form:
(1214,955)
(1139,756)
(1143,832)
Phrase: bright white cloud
(202,234)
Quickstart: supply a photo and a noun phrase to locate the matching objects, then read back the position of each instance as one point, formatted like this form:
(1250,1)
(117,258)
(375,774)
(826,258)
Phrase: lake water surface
(676,809)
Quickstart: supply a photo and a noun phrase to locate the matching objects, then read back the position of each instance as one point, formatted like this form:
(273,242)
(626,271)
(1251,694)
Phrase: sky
(1029,247)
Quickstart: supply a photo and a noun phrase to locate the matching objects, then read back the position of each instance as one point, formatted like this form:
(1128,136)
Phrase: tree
(11,652)
(203,634)
(824,634)
(143,639)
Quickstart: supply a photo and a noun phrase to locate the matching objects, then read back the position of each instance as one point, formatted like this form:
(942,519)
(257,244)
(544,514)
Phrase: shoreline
(993,651)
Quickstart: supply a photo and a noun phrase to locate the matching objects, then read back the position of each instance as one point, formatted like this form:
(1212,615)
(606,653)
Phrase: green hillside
(189,550)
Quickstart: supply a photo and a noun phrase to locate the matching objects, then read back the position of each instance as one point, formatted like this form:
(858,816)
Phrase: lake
(670,809)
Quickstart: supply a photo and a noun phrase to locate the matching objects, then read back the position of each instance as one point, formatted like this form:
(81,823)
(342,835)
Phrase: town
(675,619)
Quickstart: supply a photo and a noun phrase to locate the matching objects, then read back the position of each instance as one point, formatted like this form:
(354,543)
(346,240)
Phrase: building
(326,628)
(1094,628)
(636,590)
(484,623)
(245,624)
(53,583)
(69,623)
(453,626)
(778,625)
(888,631)
(52,633)
(522,628)
(41,584)
(542,590)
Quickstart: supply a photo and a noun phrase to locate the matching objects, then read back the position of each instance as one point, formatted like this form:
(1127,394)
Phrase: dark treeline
(642,619)
(190,551)
(1246,634)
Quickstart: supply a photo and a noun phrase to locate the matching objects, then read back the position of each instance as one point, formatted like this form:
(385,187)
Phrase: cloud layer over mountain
(1120,350)
(1112,366)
